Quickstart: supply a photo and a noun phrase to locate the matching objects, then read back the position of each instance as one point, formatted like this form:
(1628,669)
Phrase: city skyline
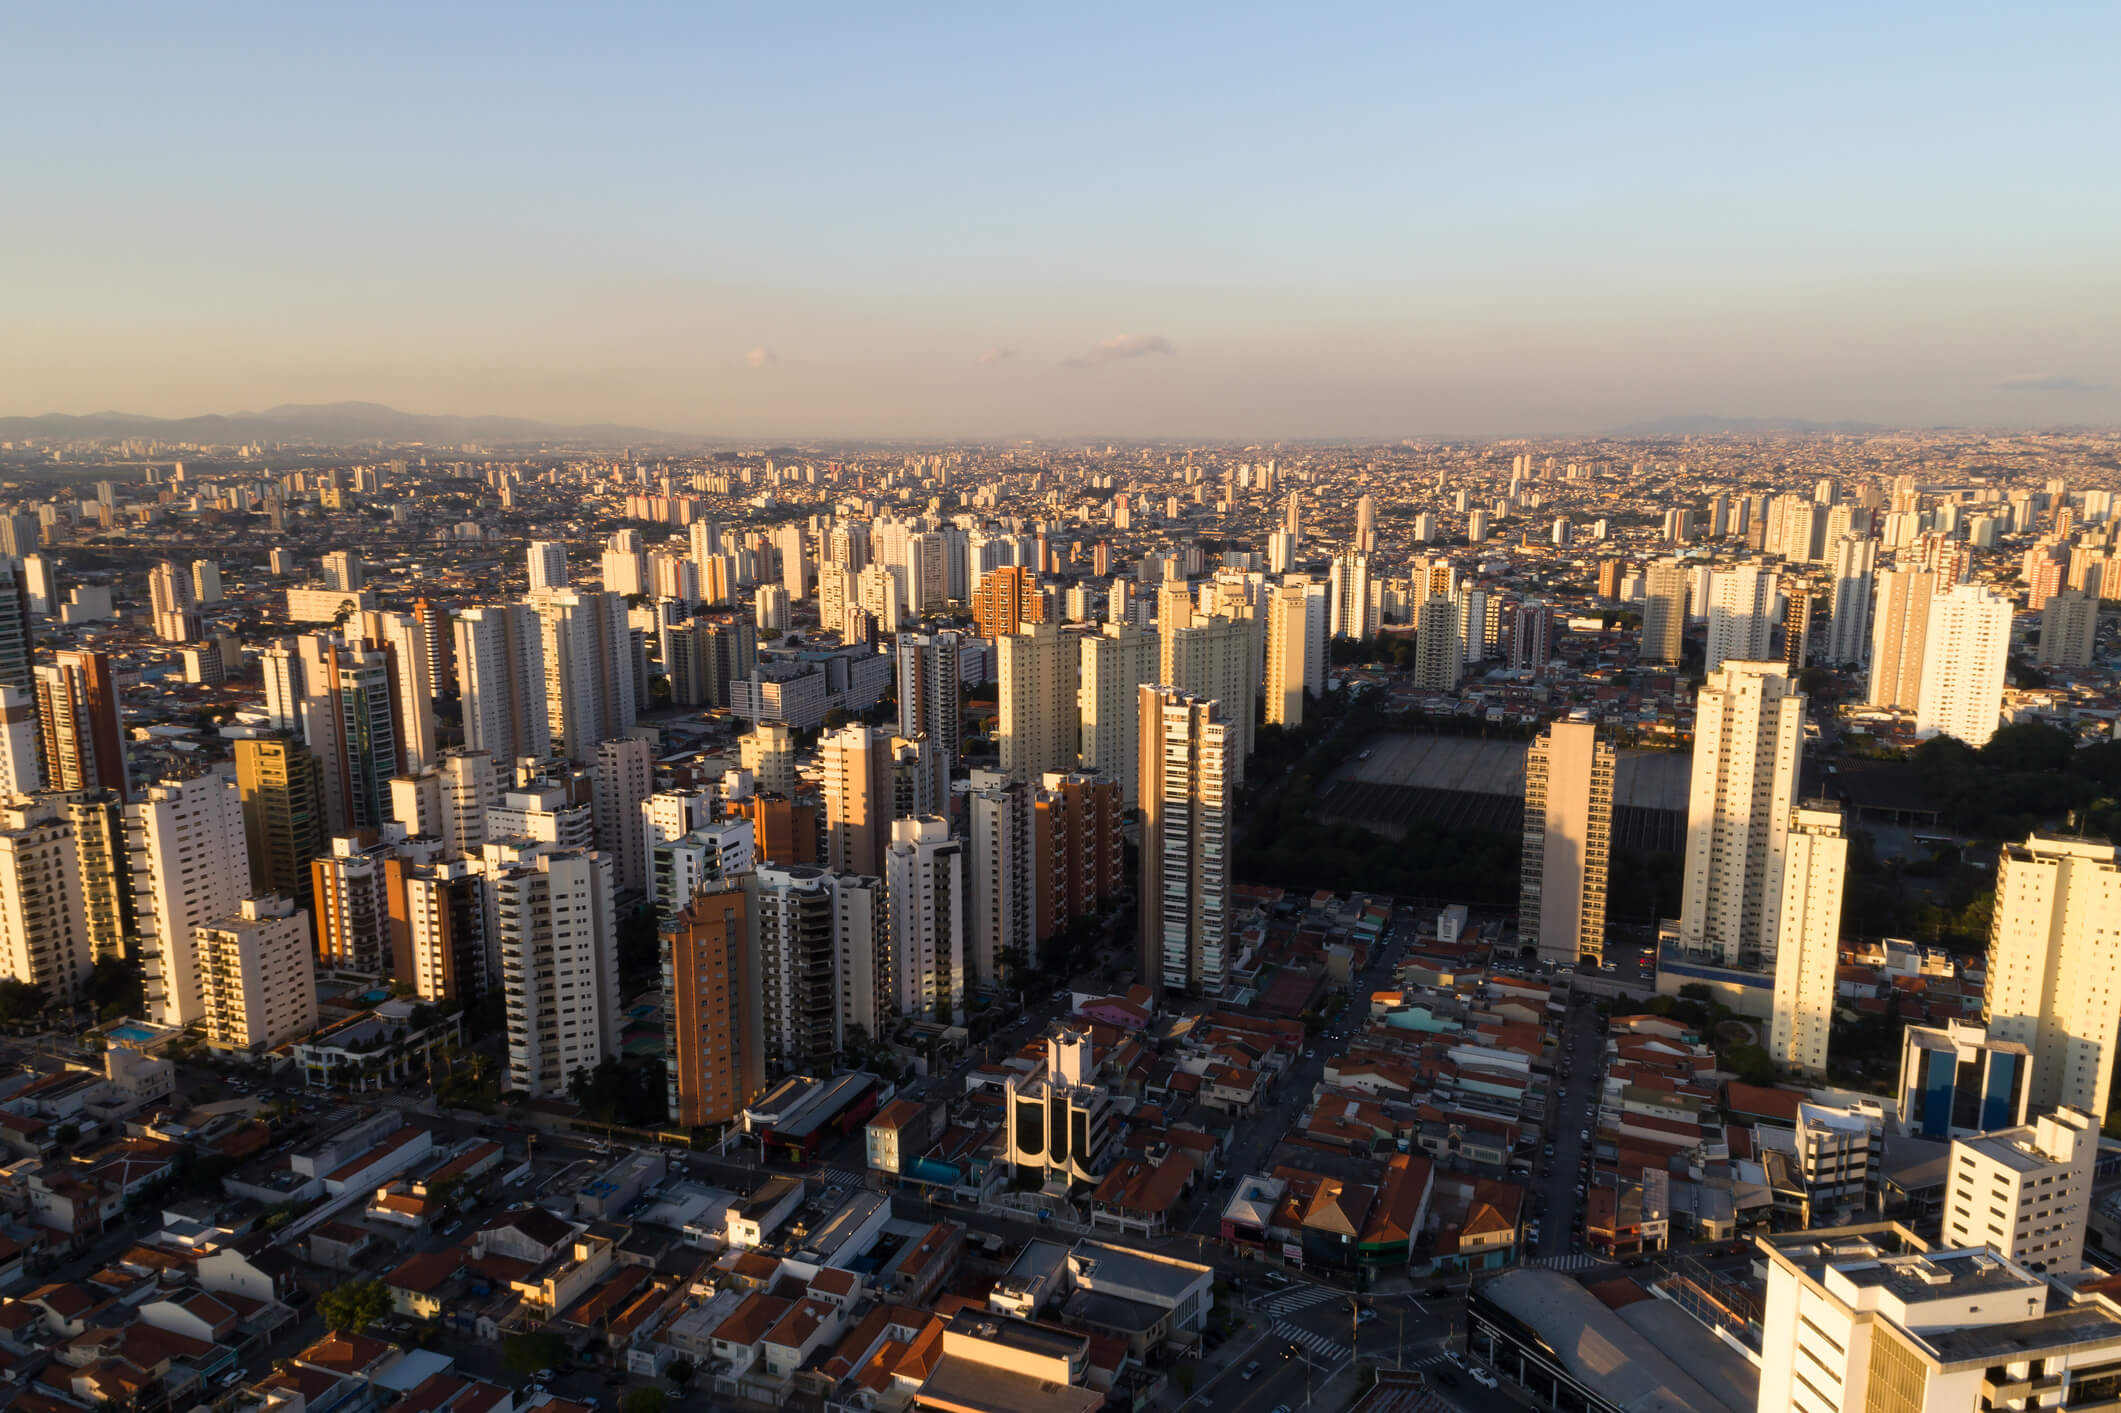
(1174,224)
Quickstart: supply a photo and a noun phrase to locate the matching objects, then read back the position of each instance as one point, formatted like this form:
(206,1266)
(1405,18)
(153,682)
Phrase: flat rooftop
(964,1385)
(2011,1147)
(1095,1261)
(1602,1351)
(1919,1279)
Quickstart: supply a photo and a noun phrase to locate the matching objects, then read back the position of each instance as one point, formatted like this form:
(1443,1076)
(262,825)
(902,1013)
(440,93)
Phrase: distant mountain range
(1706,426)
(323,424)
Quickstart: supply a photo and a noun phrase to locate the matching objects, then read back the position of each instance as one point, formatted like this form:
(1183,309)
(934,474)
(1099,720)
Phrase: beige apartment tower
(2069,628)
(1186,793)
(1568,834)
(1038,701)
(1899,627)
(1288,653)
(1663,611)
(256,980)
(2054,951)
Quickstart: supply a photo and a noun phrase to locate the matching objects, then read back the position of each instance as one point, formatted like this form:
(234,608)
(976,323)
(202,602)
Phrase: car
(1275,1278)
(1455,1357)
(1249,1372)
(1483,1377)
(1365,1315)
(452,1229)
(544,1376)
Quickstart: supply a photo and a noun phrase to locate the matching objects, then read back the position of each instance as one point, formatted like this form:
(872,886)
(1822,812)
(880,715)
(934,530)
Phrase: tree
(645,1399)
(355,1306)
(20,1000)
(680,1372)
(525,1354)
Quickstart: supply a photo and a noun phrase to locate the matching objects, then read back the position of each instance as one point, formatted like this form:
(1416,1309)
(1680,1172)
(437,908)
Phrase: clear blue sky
(986,220)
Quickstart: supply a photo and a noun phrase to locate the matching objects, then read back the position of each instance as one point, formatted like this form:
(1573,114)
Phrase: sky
(984,221)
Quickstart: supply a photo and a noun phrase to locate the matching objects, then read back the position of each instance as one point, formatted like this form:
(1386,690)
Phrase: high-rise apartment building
(1039,715)
(556,932)
(1354,604)
(20,771)
(714,1038)
(1439,645)
(184,843)
(1899,631)
(1003,881)
(1217,659)
(351,725)
(1116,663)
(1568,837)
(797,978)
(622,777)
(861,913)
(77,713)
(930,684)
(2054,966)
(1748,740)
(1957,1079)
(1185,796)
(1855,566)
(547,564)
(1076,847)
(1808,938)
(1288,654)
(1741,614)
(176,612)
(413,681)
(924,876)
(768,752)
(44,936)
(350,888)
(589,677)
(438,927)
(284,828)
(2025,1192)
(1663,611)
(1964,654)
(857,790)
(1008,600)
(2069,629)
(257,986)
(98,820)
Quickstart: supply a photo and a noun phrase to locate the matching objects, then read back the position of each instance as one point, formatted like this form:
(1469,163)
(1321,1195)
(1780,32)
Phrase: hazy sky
(1084,219)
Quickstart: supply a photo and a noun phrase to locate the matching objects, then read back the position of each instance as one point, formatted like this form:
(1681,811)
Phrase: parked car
(1250,1371)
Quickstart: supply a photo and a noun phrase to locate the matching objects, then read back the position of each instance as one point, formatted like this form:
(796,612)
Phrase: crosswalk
(1574,1261)
(845,1177)
(1299,1297)
(1322,1347)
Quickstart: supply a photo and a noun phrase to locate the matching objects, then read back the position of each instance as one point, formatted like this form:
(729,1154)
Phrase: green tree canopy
(525,1354)
(355,1306)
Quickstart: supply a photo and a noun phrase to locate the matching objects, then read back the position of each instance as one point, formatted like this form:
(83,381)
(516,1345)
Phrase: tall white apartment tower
(622,778)
(1217,659)
(589,679)
(2054,966)
(1808,938)
(1848,638)
(1288,653)
(413,673)
(1964,654)
(501,672)
(1568,835)
(1116,663)
(1185,795)
(1741,614)
(557,935)
(1038,701)
(924,877)
(548,565)
(258,980)
(189,868)
(1748,736)
(1899,631)
(1353,610)
(930,675)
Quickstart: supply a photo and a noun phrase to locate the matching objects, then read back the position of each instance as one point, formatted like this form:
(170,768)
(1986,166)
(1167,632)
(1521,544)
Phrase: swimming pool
(133,1033)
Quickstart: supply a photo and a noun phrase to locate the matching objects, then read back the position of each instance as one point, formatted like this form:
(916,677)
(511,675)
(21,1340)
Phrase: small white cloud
(1120,346)
(2047,382)
(760,356)
(989,357)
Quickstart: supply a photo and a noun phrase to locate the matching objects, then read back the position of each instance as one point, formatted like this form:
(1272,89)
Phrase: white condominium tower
(1217,659)
(2025,1191)
(1185,796)
(1354,607)
(1848,638)
(557,935)
(547,564)
(44,938)
(1568,834)
(1116,663)
(2054,966)
(1808,938)
(1741,614)
(258,980)
(924,879)
(1748,735)
(501,671)
(588,651)
(190,867)
(1964,654)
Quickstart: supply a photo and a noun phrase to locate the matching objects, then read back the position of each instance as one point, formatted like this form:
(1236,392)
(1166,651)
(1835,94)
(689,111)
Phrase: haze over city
(1198,221)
